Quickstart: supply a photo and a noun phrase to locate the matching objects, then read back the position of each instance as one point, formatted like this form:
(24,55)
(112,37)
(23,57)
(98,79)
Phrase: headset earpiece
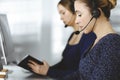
(96,13)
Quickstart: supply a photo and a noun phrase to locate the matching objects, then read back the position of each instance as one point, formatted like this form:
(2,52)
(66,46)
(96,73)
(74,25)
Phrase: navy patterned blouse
(102,62)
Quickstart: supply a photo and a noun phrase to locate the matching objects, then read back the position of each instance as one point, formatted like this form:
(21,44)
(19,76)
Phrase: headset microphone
(65,25)
(77,32)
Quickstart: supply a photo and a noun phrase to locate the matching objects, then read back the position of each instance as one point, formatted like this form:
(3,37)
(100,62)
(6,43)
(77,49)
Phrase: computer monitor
(6,44)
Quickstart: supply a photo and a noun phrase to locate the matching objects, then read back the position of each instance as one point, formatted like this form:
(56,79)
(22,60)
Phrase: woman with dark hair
(102,60)
(74,49)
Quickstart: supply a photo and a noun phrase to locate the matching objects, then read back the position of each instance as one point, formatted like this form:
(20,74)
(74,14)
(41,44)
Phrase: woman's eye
(79,15)
(63,13)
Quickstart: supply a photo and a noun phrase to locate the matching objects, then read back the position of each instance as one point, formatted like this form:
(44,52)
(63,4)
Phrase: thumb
(45,63)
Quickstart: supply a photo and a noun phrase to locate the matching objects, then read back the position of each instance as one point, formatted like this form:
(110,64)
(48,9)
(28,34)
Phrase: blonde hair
(107,3)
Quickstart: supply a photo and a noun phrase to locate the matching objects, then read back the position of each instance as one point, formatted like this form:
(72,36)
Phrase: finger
(32,62)
(45,63)
(33,68)
(31,65)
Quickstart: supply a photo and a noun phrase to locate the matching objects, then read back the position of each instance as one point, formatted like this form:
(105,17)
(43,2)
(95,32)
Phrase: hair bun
(112,3)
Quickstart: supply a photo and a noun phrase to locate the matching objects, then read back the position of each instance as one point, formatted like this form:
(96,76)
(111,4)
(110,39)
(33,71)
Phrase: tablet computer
(24,62)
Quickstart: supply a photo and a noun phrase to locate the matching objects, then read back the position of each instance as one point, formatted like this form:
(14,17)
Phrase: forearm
(58,73)
(73,76)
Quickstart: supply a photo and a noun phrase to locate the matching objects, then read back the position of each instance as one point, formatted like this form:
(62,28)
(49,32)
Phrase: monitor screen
(6,44)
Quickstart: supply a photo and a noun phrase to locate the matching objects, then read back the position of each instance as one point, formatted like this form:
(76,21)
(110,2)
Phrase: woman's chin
(86,32)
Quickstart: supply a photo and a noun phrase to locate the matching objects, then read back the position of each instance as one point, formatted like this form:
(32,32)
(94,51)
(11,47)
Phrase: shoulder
(89,35)
(108,49)
(110,40)
(110,45)
(112,36)
(88,38)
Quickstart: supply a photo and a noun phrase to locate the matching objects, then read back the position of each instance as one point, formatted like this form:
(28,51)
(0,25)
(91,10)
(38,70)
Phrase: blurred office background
(36,29)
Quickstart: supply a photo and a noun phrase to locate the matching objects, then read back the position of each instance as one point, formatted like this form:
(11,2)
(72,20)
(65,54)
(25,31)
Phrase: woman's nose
(76,21)
(61,18)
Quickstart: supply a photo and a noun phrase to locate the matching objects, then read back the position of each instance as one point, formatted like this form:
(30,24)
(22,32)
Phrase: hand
(38,68)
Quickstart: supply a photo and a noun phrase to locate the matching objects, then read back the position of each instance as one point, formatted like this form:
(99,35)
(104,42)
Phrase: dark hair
(104,5)
(69,4)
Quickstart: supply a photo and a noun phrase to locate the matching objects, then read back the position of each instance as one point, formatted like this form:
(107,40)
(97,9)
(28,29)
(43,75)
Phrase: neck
(72,21)
(102,27)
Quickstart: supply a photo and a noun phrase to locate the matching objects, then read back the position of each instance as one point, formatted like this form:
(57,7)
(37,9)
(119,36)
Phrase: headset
(95,14)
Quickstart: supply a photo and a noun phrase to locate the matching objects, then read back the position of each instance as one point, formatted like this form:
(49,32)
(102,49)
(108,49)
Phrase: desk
(18,73)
